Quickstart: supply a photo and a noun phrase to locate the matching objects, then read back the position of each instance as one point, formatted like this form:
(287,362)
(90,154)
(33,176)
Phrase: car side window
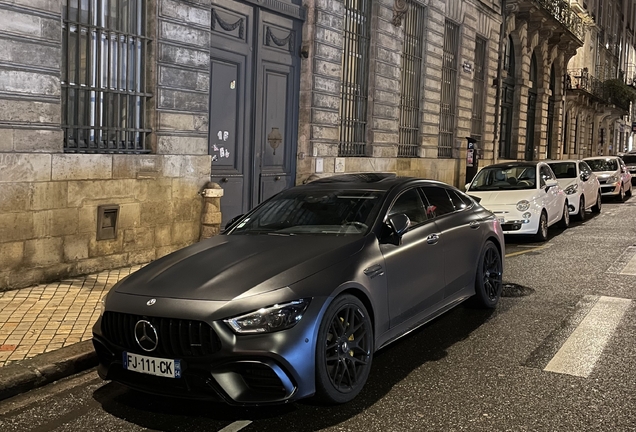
(439,202)
(546,175)
(410,203)
(459,200)
(585,169)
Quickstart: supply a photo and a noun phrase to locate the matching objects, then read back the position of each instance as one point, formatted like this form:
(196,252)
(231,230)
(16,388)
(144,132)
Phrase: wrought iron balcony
(609,92)
(580,79)
(563,12)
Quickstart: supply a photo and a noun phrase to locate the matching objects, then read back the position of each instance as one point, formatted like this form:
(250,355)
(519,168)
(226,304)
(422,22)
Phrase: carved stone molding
(272,40)
(216,19)
(400,7)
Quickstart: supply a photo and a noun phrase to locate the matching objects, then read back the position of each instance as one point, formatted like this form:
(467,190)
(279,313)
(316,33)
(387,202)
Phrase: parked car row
(529,197)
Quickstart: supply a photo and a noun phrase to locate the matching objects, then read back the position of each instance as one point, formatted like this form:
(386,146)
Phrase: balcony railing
(564,13)
(611,91)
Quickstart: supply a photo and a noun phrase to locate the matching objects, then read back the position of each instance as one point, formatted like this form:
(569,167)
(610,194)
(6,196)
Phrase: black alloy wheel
(344,350)
(596,208)
(565,217)
(542,230)
(488,282)
(581,215)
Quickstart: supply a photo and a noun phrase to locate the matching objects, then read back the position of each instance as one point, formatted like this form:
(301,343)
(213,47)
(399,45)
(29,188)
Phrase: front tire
(621,195)
(581,214)
(542,230)
(629,191)
(344,350)
(488,281)
(565,217)
(596,208)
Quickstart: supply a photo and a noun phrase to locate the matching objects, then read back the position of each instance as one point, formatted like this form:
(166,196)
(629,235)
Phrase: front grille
(177,338)
(510,227)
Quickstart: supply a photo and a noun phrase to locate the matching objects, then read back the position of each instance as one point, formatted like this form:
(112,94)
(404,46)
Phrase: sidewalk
(48,327)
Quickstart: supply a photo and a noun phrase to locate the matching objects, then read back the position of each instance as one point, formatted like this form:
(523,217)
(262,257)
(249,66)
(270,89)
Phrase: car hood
(604,175)
(505,197)
(564,183)
(225,267)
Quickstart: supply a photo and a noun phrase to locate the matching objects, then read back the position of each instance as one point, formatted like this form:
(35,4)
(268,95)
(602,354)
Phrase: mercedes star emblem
(146,335)
(151,302)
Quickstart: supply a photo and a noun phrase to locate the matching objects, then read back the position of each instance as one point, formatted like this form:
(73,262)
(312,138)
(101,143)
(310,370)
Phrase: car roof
(601,157)
(513,164)
(366,180)
(549,161)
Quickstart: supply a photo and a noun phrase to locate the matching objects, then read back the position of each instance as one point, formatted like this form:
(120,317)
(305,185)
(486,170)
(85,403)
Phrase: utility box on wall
(107,216)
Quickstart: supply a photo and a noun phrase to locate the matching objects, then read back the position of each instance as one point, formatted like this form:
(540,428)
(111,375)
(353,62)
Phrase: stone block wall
(49,199)
(48,211)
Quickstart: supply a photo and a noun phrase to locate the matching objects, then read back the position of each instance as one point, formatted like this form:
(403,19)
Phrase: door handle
(432,239)
(276,178)
(474,224)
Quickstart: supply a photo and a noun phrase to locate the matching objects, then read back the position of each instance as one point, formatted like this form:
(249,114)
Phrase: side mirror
(550,183)
(585,177)
(399,224)
(231,221)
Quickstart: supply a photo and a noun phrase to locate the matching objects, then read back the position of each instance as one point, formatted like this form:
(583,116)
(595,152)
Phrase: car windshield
(564,170)
(602,164)
(629,159)
(505,178)
(311,211)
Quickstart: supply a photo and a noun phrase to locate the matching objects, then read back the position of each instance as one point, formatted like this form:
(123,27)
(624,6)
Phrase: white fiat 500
(525,197)
(615,179)
(580,185)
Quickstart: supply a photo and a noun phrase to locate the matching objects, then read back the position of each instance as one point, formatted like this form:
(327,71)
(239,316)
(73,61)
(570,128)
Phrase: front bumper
(513,223)
(255,369)
(610,189)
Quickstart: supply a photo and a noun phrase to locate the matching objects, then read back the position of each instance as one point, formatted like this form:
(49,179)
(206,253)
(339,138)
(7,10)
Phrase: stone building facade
(76,135)
(361,109)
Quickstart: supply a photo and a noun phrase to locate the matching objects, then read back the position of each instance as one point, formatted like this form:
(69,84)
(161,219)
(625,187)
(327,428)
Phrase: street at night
(557,353)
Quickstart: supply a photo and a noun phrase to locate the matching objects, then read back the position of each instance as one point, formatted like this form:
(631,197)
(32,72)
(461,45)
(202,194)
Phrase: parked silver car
(613,176)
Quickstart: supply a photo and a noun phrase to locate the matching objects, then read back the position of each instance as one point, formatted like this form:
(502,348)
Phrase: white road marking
(583,348)
(236,426)
(630,267)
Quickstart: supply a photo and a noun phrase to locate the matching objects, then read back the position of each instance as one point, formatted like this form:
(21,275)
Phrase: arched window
(507,98)
(532,104)
(550,150)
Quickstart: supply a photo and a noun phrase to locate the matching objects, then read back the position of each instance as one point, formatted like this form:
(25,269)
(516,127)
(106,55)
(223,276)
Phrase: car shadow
(391,365)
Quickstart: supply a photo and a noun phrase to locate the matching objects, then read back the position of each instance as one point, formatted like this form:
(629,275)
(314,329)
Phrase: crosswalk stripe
(580,352)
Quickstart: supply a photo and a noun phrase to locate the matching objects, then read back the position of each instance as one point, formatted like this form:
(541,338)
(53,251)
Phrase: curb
(25,375)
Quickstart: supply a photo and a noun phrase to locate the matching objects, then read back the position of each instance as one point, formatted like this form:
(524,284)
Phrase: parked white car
(613,176)
(580,185)
(525,197)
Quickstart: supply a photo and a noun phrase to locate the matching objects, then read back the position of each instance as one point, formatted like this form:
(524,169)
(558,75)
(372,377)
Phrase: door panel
(253,103)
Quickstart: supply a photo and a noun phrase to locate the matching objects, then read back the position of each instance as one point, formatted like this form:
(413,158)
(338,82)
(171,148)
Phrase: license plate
(167,368)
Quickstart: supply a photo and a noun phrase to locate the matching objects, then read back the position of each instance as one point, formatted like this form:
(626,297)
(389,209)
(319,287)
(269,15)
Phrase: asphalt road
(469,370)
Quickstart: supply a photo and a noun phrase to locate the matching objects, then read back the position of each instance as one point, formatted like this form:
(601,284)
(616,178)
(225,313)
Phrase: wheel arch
(364,298)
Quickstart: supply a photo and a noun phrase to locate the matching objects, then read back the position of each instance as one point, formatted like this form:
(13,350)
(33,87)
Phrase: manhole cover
(515,290)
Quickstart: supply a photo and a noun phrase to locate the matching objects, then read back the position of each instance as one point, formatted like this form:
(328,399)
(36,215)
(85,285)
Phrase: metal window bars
(103,76)
(448,90)
(355,78)
(410,116)
(479,78)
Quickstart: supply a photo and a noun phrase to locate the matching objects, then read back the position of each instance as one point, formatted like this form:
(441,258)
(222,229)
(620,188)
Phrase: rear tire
(596,208)
(488,281)
(542,230)
(581,214)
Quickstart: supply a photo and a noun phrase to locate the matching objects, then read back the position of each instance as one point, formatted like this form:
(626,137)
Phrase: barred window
(449,88)
(355,78)
(410,117)
(103,84)
(479,78)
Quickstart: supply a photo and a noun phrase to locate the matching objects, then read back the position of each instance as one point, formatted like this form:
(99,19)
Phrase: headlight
(612,179)
(571,189)
(523,205)
(270,319)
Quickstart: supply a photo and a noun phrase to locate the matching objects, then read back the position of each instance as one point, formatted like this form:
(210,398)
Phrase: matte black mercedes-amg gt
(293,298)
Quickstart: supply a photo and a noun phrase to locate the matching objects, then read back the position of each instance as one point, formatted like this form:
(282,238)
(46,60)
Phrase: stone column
(211,214)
